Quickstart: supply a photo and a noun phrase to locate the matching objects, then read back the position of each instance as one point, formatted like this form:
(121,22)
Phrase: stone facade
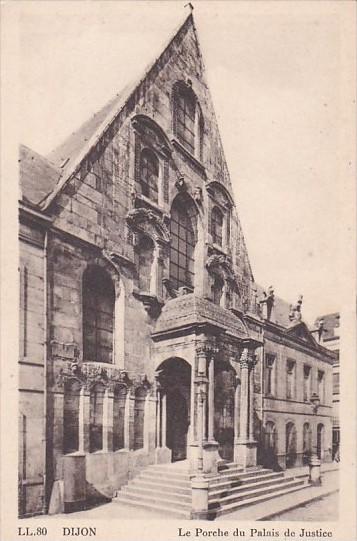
(327,333)
(293,369)
(142,340)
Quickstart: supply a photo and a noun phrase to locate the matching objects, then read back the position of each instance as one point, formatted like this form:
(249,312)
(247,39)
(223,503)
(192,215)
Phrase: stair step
(240,475)
(154,494)
(240,482)
(182,483)
(152,507)
(255,491)
(160,485)
(229,507)
(159,501)
(244,487)
(174,467)
(166,474)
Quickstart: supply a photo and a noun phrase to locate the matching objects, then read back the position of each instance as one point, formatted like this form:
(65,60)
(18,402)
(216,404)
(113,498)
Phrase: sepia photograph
(183,219)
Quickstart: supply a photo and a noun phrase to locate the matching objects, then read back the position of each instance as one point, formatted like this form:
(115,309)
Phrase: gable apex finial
(190,6)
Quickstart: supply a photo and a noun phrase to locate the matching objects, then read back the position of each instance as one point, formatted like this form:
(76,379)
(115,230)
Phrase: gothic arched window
(98,315)
(188,121)
(149,174)
(96,418)
(183,241)
(71,416)
(217,226)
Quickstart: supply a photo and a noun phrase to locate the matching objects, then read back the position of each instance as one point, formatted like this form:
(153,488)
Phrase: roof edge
(94,139)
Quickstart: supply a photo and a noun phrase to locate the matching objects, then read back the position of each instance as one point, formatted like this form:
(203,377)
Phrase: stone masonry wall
(31,372)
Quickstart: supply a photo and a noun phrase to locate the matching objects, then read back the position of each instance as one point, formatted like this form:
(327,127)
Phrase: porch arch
(174,406)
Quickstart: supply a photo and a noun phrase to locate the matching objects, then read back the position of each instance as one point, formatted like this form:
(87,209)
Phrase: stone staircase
(166,488)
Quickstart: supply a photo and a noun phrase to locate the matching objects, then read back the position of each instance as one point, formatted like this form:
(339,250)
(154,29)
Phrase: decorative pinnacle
(190,6)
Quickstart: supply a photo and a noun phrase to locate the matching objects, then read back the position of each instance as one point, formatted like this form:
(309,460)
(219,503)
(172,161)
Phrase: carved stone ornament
(247,359)
(146,221)
(197,195)
(222,265)
(180,184)
(151,303)
(117,260)
(206,350)
(89,373)
(64,351)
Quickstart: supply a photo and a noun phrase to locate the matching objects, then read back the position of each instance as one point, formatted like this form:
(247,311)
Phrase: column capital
(247,359)
(205,349)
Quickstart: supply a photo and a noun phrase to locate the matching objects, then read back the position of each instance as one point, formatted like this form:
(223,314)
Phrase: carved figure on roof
(295,310)
(266,303)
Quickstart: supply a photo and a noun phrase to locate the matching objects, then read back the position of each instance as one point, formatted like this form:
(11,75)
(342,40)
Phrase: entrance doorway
(174,376)
(290,445)
(224,389)
(177,424)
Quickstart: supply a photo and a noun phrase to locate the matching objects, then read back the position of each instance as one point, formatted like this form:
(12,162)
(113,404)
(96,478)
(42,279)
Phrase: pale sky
(274,71)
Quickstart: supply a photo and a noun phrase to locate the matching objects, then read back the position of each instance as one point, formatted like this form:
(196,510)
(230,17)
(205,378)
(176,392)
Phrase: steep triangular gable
(71,153)
(301,331)
(180,60)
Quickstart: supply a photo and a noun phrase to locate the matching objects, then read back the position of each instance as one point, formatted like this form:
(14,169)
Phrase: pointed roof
(70,154)
(300,330)
(38,176)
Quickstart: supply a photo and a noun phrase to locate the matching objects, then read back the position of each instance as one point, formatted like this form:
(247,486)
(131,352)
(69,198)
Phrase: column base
(211,457)
(245,453)
(199,487)
(162,455)
(315,471)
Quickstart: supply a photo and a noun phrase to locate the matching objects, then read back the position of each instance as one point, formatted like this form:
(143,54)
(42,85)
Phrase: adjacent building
(143,336)
(327,332)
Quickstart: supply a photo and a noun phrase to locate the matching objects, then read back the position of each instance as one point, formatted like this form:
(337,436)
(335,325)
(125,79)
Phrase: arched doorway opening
(320,440)
(270,445)
(306,451)
(290,445)
(224,389)
(174,377)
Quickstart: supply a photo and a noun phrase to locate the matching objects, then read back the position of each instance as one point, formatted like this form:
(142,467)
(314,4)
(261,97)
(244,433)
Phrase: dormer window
(188,123)
(149,175)
(217,226)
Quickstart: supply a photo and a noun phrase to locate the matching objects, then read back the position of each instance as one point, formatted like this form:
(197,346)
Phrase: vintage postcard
(178,306)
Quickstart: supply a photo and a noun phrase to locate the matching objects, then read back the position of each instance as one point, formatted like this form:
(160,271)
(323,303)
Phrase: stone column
(192,431)
(251,402)
(237,411)
(245,447)
(84,421)
(158,419)
(127,420)
(200,389)
(163,421)
(211,400)
(147,424)
(108,414)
